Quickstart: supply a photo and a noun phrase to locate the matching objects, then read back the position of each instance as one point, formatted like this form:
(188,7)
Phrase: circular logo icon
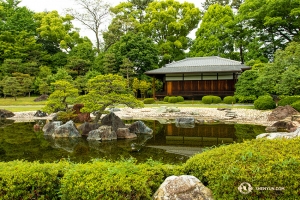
(245,188)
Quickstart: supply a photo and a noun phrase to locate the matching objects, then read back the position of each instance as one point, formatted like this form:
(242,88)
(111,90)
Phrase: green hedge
(94,180)
(26,180)
(211,99)
(149,101)
(180,99)
(229,100)
(288,101)
(264,103)
(261,162)
(166,99)
(172,100)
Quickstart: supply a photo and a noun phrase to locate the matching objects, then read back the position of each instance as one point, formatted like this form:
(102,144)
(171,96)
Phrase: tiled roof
(200,64)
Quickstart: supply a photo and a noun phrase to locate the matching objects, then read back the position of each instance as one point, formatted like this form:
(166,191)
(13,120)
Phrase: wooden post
(153,87)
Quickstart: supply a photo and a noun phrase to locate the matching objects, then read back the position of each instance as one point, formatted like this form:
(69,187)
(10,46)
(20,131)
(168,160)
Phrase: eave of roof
(200,65)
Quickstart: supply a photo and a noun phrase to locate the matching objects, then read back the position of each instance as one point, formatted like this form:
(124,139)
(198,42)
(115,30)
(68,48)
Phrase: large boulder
(50,127)
(6,113)
(102,133)
(40,113)
(282,112)
(86,127)
(185,122)
(289,126)
(280,135)
(124,133)
(66,130)
(112,120)
(182,187)
(140,127)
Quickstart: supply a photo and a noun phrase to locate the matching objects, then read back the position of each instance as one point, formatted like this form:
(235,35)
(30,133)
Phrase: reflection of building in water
(202,135)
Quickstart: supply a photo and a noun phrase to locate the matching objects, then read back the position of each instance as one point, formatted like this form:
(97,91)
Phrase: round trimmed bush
(260,162)
(180,99)
(296,105)
(172,100)
(149,101)
(216,99)
(166,99)
(207,99)
(229,100)
(288,101)
(264,103)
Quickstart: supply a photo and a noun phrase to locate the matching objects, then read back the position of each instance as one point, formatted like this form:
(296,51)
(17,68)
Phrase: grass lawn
(28,104)
(21,104)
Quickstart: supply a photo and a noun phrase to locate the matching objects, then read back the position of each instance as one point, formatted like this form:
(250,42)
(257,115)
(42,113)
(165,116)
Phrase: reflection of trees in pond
(5,122)
(247,131)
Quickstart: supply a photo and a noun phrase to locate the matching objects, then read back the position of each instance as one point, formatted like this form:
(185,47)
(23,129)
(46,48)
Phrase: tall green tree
(274,22)
(11,87)
(282,77)
(140,50)
(127,17)
(127,70)
(168,23)
(213,38)
(55,32)
(106,90)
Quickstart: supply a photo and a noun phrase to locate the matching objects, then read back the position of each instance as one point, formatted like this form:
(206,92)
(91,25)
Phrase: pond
(169,144)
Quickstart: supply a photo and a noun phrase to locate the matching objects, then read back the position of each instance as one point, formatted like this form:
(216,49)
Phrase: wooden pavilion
(195,77)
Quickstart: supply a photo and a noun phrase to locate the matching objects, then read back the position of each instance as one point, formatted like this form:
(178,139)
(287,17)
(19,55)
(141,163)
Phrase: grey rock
(50,127)
(271,129)
(140,127)
(6,114)
(86,127)
(40,113)
(185,122)
(66,130)
(102,133)
(183,187)
(112,120)
(124,133)
(280,135)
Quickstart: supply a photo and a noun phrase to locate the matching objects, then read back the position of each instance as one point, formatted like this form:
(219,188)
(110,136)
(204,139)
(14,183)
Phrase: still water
(169,144)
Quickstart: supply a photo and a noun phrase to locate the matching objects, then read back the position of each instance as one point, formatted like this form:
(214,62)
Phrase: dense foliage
(261,162)
(94,180)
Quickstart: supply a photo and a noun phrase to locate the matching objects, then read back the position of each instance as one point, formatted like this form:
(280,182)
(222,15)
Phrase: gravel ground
(248,116)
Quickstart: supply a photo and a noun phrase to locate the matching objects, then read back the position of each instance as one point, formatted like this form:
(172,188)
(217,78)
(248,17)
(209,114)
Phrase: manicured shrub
(229,100)
(172,100)
(264,103)
(149,101)
(30,180)
(180,99)
(207,99)
(93,180)
(166,99)
(211,99)
(288,101)
(216,99)
(113,180)
(296,105)
(65,116)
(260,162)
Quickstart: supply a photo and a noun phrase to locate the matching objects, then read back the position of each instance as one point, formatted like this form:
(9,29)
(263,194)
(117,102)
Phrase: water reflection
(169,144)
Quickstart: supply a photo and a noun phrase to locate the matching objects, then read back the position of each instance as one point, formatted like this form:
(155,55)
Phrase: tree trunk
(99,114)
